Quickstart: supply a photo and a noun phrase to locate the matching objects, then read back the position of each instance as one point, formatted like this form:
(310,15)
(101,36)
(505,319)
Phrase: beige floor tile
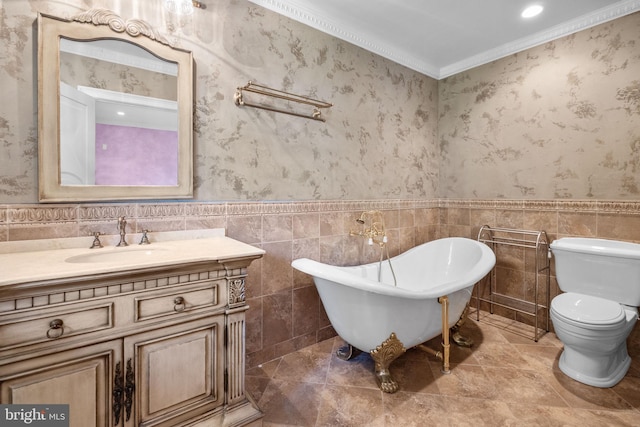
(462,411)
(629,390)
(582,396)
(586,418)
(552,416)
(414,409)
(504,379)
(255,386)
(542,416)
(499,355)
(351,406)
(464,381)
(265,370)
(291,403)
(539,357)
(304,366)
(484,331)
(514,385)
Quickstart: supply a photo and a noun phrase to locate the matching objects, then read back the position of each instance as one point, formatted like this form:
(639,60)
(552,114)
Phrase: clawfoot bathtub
(432,287)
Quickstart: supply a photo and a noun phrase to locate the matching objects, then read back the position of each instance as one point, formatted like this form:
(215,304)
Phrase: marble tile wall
(515,267)
(286,313)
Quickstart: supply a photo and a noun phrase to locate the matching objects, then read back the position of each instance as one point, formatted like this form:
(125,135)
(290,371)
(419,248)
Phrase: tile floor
(505,379)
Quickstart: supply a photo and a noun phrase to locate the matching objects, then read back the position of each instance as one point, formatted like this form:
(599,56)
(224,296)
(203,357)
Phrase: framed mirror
(115,111)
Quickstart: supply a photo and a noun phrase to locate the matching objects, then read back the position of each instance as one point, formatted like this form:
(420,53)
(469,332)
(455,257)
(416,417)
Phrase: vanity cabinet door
(83,378)
(177,372)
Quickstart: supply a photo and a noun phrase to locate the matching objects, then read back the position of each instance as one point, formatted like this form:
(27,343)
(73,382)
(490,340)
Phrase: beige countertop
(49,259)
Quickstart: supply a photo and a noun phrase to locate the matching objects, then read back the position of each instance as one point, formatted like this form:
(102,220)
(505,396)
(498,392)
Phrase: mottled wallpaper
(379,140)
(558,121)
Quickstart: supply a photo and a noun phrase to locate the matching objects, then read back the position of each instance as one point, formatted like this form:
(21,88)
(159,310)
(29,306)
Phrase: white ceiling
(440,38)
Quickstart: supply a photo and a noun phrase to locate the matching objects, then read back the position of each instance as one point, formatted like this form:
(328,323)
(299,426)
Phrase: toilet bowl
(598,309)
(594,332)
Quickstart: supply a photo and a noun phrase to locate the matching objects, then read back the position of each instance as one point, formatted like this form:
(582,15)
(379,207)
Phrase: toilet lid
(588,309)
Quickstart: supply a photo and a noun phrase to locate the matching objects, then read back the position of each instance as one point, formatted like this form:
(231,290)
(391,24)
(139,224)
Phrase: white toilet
(598,309)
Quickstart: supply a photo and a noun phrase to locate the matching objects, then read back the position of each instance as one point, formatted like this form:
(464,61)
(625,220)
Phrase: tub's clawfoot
(347,351)
(383,355)
(457,338)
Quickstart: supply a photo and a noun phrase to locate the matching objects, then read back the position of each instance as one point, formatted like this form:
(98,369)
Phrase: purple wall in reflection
(136,156)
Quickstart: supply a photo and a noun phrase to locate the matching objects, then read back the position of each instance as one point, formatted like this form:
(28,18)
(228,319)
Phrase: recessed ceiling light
(120,113)
(532,11)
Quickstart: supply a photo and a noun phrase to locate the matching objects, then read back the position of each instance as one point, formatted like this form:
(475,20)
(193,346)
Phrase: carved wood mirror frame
(92,25)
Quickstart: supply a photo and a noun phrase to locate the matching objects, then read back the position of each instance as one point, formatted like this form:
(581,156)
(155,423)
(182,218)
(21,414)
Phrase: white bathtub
(364,312)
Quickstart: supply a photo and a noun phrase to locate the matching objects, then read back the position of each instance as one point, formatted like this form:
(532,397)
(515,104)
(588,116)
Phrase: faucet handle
(96,240)
(145,239)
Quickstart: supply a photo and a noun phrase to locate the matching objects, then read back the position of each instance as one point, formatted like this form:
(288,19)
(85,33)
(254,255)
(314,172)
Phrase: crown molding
(315,19)
(583,22)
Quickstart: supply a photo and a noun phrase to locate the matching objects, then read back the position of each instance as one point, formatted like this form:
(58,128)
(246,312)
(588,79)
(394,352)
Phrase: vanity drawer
(183,299)
(50,325)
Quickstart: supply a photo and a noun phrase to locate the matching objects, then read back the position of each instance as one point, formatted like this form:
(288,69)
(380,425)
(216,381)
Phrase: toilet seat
(588,311)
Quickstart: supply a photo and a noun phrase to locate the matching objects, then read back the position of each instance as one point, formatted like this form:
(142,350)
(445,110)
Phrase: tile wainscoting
(286,313)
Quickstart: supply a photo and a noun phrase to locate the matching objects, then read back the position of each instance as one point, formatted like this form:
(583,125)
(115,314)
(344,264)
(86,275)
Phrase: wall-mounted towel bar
(278,94)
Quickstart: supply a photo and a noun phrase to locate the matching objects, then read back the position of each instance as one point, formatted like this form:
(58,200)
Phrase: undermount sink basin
(118,255)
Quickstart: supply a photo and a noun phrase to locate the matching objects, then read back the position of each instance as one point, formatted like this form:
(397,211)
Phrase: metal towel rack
(278,94)
(527,239)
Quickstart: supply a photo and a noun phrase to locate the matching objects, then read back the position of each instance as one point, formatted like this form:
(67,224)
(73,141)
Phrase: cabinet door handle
(179,304)
(56,329)
(129,388)
(118,389)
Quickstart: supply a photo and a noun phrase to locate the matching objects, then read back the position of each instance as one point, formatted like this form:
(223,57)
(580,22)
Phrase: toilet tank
(604,268)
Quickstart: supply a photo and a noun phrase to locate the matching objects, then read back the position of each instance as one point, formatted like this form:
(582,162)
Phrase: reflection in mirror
(124,103)
(125,100)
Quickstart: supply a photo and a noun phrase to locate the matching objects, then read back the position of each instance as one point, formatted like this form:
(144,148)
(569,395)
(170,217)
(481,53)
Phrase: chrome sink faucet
(122,226)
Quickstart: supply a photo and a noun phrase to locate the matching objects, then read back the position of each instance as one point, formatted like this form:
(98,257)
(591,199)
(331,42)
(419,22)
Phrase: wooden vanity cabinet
(81,377)
(160,347)
(178,372)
